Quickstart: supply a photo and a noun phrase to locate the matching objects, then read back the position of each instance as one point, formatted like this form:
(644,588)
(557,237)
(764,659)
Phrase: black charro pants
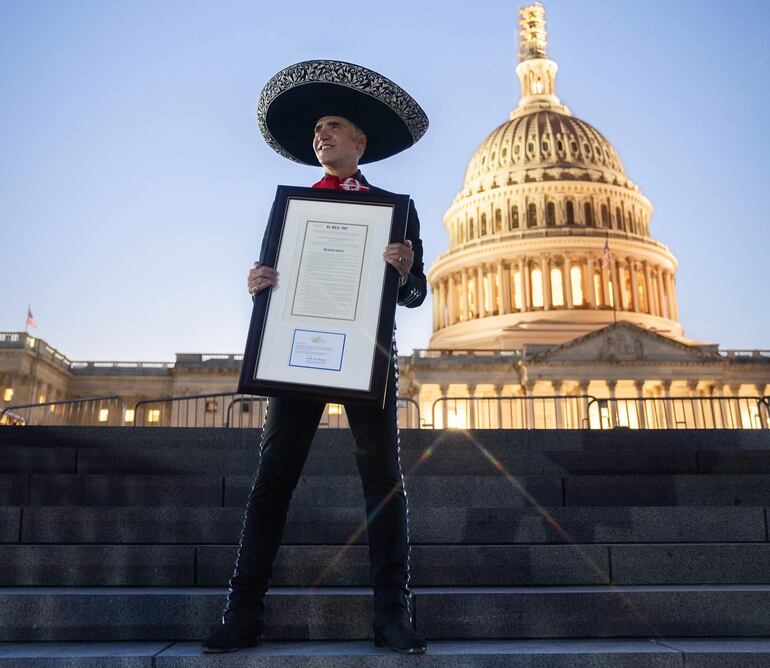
(287,434)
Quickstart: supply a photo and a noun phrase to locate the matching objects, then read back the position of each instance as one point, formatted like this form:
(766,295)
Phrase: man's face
(337,142)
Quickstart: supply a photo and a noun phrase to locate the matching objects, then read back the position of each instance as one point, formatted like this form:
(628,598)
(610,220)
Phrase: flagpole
(607,262)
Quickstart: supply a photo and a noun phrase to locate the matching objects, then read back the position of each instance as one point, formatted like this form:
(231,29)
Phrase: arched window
(514,217)
(550,214)
(471,229)
(557,289)
(498,220)
(605,216)
(483,224)
(618,218)
(570,209)
(576,278)
(537,288)
(532,216)
(588,214)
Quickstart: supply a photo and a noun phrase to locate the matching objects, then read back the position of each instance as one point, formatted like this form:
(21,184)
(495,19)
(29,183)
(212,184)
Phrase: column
(436,307)
(588,282)
(464,294)
(444,389)
(545,263)
(668,293)
(668,409)
(527,287)
(634,290)
(505,285)
(641,407)
(605,284)
(617,293)
(558,404)
(472,400)
(442,302)
(661,291)
(567,277)
(480,301)
(674,302)
(648,289)
(499,409)
(581,389)
(696,403)
(452,306)
(612,404)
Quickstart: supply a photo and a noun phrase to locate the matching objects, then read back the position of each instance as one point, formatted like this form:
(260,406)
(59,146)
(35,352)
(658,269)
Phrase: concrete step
(668,490)
(707,611)
(305,565)
(335,526)
(526,439)
(430,565)
(611,653)
(471,491)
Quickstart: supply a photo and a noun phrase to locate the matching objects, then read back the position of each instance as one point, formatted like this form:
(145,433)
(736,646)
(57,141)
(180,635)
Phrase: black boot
(393,625)
(241,628)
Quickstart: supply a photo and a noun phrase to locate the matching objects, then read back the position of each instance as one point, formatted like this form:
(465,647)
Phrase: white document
(317,350)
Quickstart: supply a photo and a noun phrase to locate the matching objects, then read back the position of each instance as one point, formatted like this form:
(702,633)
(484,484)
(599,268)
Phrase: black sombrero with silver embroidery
(295,98)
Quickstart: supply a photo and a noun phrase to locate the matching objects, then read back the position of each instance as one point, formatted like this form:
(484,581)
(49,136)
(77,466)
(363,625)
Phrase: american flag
(31,322)
(606,256)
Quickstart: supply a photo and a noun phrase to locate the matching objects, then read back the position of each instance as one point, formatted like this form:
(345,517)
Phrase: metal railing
(511,412)
(88,411)
(230,409)
(680,413)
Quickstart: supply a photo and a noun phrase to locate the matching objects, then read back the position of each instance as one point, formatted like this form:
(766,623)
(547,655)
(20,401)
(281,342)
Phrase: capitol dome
(548,237)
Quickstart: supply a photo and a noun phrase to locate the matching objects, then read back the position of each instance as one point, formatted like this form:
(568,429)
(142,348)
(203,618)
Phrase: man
(338,115)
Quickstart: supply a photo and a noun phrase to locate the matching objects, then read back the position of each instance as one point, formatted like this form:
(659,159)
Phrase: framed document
(326,330)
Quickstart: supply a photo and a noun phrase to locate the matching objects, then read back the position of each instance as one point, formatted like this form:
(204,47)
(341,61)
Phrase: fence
(93,411)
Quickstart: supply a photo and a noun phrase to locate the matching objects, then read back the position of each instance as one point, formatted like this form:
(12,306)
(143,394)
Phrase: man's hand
(261,277)
(400,256)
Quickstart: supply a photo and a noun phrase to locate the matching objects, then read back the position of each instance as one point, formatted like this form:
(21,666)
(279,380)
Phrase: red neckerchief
(331,182)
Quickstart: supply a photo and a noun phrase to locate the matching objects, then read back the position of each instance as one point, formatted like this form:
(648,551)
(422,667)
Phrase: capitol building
(553,304)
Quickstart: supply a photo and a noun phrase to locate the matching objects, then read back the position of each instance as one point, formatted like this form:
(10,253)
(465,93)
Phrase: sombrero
(295,98)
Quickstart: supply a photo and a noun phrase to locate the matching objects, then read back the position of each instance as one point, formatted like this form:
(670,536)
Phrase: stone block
(14,489)
(18,459)
(125,490)
(97,565)
(168,460)
(707,563)
(116,525)
(742,462)
(668,490)
(134,654)
(10,524)
(595,612)
(34,615)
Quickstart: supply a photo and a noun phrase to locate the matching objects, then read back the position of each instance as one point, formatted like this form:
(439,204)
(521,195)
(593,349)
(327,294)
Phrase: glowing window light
(537,288)
(153,415)
(335,409)
(129,415)
(41,398)
(104,414)
(8,394)
(598,296)
(557,291)
(576,278)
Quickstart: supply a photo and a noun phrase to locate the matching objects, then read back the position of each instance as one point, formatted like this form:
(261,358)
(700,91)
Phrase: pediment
(624,342)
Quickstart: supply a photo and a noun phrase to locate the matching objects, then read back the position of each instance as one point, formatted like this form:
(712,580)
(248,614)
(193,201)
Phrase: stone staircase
(530,548)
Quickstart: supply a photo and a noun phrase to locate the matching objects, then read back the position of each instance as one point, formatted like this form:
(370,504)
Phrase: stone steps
(335,526)
(91,614)
(430,565)
(619,653)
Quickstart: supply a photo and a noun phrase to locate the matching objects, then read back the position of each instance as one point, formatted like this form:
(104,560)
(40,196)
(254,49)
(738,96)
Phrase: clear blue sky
(134,185)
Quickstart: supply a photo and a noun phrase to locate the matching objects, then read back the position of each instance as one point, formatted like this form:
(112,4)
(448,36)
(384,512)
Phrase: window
(104,414)
(8,394)
(605,216)
(618,218)
(537,288)
(335,409)
(471,229)
(557,291)
(514,217)
(570,209)
(550,214)
(588,214)
(153,415)
(483,224)
(41,398)
(129,415)
(518,301)
(531,216)
(498,220)
(576,276)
